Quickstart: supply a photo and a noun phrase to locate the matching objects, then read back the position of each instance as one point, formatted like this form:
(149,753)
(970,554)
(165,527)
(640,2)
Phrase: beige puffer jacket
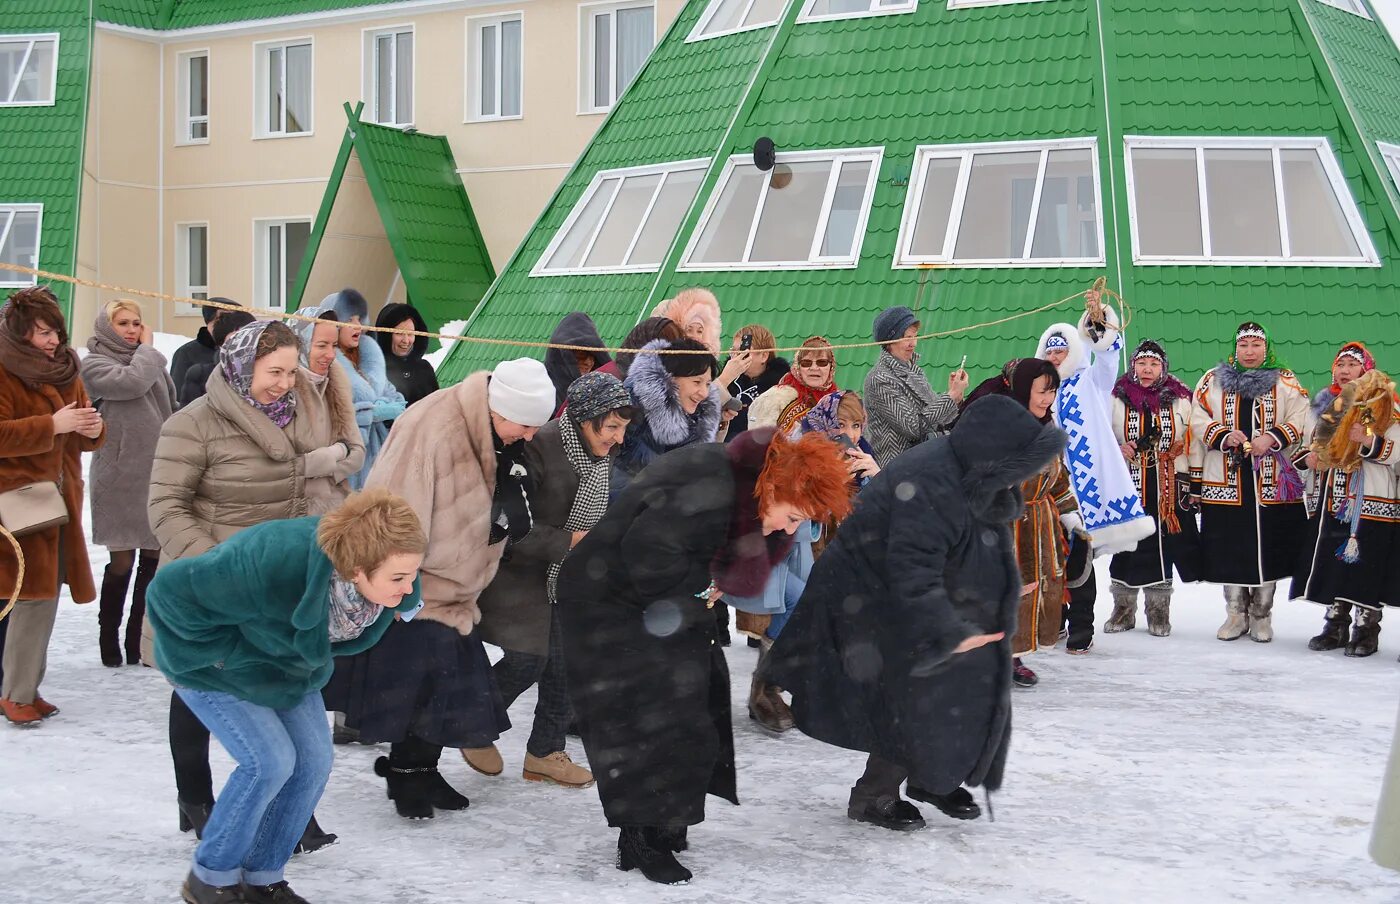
(222,466)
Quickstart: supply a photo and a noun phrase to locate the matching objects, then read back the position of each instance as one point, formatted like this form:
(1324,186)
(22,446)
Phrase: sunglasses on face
(815,362)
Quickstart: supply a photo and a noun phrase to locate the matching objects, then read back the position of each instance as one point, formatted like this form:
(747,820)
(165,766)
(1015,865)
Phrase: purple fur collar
(1143,398)
(1249,383)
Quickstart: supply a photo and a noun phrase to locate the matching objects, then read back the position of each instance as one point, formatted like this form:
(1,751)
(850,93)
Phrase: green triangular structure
(948,73)
(395,208)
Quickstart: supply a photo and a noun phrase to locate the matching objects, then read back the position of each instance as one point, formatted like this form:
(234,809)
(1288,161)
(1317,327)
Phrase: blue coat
(798,564)
(376,401)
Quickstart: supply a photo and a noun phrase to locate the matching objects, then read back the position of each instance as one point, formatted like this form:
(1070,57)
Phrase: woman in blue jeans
(246,633)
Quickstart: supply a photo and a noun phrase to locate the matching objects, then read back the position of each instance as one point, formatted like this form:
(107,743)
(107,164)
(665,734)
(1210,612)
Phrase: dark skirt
(421,679)
(1373,580)
(1155,557)
(1247,544)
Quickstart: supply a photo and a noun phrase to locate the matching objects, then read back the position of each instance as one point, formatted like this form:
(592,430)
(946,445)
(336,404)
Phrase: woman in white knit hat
(456,456)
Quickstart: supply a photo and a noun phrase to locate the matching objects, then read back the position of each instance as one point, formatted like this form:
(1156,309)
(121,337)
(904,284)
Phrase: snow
(1153,770)
(450,328)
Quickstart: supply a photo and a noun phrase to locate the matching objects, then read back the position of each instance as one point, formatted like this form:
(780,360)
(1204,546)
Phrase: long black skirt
(1373,580)
(1248,544)
(421,679)
(1155,557)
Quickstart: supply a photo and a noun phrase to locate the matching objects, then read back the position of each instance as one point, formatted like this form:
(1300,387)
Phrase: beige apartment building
(209,148)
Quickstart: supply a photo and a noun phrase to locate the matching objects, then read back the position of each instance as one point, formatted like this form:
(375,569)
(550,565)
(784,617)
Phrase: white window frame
(904,6)
(184,119)
(587,12)
(904,259)
(540,269)
(33,39)
(260,53)
(1351,211)
(369,72)
(1355,7)
(814,261)
(970,4)
(182,267)
(473,66)
(1390,154)
(261,229)
(697,33)
(11,279)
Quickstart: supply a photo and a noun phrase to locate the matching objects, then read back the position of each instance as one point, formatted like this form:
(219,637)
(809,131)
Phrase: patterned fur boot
(1124,617)
(1159,607)
(1334,628)
(1261,607)
(1236,613)
(1365,637)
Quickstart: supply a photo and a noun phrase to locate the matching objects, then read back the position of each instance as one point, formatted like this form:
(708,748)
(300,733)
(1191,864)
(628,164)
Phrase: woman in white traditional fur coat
(377,402)
(457,457)
(1248,414)
(1349,561)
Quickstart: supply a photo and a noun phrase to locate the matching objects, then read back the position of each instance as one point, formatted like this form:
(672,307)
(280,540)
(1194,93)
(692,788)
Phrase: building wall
(510,168)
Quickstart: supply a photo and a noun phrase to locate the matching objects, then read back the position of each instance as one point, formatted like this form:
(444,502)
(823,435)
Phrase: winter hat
(346,303)
(520,391)
(1056,340)
(891,323)
(209,312)
(594,395)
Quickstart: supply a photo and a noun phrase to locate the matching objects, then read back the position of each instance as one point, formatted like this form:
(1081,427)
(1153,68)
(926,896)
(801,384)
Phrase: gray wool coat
(135,399)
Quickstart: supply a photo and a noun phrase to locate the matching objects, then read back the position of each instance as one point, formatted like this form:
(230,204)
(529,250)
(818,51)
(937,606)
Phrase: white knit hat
(521,391)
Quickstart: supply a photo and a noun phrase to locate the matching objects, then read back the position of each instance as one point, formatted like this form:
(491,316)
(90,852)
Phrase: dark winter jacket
(661,424)
(251,616)
(649,686)
(199,350)
(196,381)
(575,329)
(412,376)
(746,389)
(925,562)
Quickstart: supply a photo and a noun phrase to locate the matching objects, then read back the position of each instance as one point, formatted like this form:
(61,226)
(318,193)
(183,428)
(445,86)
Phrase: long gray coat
(135,398)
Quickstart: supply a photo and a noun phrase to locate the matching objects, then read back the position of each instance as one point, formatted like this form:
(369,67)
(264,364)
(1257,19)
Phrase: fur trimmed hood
(1000,446)
(694,305)
(1249,383)
(656,394)
(1078,356)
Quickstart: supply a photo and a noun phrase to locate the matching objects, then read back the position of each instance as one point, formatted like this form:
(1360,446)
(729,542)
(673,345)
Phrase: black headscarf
(1016,380)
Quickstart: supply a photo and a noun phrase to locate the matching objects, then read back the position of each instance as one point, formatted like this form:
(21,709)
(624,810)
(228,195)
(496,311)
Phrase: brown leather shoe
(19,713)
(486,760)
(556,768)
(750,625)
(44,707)
(769,709)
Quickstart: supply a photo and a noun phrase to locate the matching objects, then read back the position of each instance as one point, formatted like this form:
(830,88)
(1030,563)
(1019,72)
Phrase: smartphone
(843,441)
(746,342)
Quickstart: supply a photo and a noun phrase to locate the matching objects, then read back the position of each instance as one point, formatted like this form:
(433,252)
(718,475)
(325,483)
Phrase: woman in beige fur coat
(457,457)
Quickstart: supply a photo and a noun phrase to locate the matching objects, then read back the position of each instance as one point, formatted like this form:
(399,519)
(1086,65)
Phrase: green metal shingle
(133,13)
(41,148)
(194,13)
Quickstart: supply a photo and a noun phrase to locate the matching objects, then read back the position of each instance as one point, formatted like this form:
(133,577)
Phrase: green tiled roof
(135,13)
(171,14)
(41,148)
(426,214)
(998,73)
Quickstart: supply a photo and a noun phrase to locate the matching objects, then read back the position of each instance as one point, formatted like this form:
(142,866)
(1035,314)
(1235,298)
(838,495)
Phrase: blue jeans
(284,758)
(792,592)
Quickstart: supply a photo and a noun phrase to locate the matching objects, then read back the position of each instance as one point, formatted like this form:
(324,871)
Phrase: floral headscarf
(236,357)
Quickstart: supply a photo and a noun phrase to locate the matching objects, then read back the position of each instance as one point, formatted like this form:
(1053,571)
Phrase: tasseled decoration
(1289,484)
(1166,482)
(1349,511)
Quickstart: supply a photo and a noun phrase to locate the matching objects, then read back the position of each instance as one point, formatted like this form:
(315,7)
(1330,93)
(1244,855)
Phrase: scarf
(591,500)
(510,504)
(1361,354)
(1017,379)
(236,358)
(1150,398)
(105,341)
(34,368)
(350,613)
(744,561)
(807,399)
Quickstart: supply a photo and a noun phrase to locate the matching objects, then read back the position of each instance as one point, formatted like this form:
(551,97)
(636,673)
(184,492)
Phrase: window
(1010,204)
(1390,153)
(280,247)
(808,211)
(495,67)
(817,10)
(727,17)
(1355,7)
(961,4)
(284,92)
(28,70)
(388,75)
(1242,201)
(625,221)
(191,265)
(19,241)
(617,37)
(194,98)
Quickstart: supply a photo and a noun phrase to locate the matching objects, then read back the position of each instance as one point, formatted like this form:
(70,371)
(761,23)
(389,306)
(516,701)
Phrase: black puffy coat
(924,562)
(412,376)
(648,683)
(199,354)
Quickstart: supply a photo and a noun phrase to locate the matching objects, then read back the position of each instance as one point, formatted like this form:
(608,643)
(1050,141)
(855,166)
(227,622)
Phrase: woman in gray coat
(127,380)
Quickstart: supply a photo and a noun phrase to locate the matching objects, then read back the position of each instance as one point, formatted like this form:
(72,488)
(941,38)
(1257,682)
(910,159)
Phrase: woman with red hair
(648,682)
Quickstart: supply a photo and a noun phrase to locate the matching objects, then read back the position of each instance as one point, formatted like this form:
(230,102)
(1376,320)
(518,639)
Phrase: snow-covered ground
(1152,770)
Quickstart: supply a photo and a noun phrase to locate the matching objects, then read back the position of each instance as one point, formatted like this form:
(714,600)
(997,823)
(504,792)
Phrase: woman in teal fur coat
(246,632)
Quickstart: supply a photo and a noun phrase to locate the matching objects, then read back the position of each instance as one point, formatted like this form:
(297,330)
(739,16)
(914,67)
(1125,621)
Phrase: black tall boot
(1334,628)
(136,616)
(645,849)
(1365,637)
(111,602)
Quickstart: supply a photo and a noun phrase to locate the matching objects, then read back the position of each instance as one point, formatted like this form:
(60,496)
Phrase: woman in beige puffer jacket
(222,465)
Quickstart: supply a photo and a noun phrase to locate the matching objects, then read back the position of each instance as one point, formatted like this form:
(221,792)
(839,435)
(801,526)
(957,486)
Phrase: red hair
(810,474)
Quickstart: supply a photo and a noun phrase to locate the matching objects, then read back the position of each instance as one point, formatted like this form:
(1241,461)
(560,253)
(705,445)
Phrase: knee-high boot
(1124,617)
(111,602)
(1159,607)
(136,616)
(1236,613)
(1365,637)
(1261,607)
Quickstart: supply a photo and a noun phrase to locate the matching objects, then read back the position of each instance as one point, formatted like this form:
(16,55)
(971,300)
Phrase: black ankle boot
(442,795)
(196,891)
(958,804)
(1365,637)
(111,602)
(136,616)
(643,849)
(276,893)
(193,817)
(1334,629)
(406,788)
(314,838)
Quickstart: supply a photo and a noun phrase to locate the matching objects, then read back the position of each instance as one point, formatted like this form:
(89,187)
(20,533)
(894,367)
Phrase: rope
(19,578)
(1097,289)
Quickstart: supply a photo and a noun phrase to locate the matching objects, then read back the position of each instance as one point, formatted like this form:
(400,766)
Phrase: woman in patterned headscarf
(812,379)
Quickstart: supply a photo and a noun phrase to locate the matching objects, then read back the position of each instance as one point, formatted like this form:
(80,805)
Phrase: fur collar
(1143,398)
(1249,383)
(369,380)
(655,392)
(1078,356)
(1322,400)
